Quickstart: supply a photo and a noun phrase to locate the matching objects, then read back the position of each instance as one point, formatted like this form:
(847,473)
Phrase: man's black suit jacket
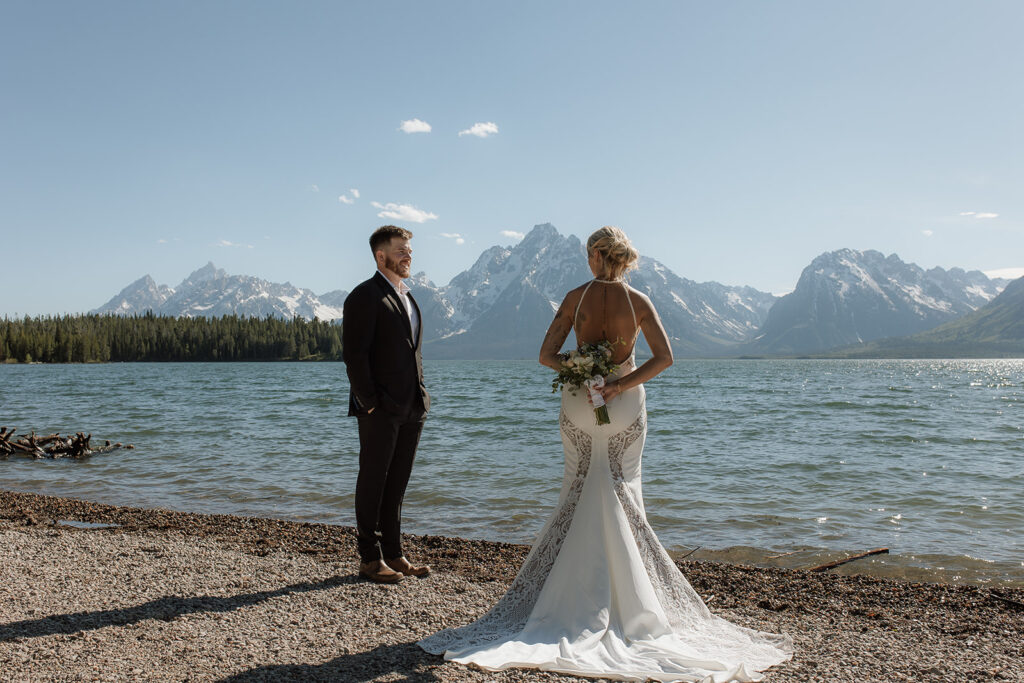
(383,361)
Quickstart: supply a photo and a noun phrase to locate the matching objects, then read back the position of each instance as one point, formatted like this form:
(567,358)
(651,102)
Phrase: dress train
(598,595)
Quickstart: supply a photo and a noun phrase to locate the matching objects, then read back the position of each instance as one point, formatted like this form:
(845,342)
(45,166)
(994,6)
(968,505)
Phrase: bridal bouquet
(587,367)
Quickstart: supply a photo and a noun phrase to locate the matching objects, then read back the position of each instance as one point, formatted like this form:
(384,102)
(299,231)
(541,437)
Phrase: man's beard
(395,266)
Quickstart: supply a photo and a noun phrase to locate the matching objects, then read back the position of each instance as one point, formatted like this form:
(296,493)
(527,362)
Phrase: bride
(598,595)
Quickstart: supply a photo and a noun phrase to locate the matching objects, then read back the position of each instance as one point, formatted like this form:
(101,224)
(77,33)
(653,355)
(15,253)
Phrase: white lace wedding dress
(598,595)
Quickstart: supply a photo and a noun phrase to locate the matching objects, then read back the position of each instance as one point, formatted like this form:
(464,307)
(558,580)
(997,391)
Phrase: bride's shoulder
(570,300)
(636,295)
(640,301)
(575,294)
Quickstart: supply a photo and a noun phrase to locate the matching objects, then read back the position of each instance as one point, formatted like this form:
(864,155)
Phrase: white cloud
(454,236)
(414,126)
(966,213)
(986,215)
(345,199)
(927,233)
(512,234)
(403,212)
(226,243)
(314,188)
(481,130)
(355,192)
(161,241)
(1008,273)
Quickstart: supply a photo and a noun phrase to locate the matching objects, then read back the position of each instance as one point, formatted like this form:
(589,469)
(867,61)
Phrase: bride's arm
(660,359)
(557,332)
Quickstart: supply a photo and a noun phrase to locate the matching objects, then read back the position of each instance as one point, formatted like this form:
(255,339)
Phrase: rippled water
(748,459)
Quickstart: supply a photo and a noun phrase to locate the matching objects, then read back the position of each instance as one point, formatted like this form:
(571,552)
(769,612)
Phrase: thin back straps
(629,301)
(577,314)
(636,328)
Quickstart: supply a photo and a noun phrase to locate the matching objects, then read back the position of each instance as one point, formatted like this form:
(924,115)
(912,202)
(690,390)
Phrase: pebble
(170,595)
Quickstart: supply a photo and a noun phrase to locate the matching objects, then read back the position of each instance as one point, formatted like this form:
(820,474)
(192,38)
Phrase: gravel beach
(177,596)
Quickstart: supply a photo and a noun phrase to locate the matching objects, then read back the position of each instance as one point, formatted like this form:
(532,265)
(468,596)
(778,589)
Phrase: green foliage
(111,338)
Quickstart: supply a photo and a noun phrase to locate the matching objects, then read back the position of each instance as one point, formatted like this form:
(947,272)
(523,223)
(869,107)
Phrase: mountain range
(502,305)
(993,331)
(210,292)
(849,297)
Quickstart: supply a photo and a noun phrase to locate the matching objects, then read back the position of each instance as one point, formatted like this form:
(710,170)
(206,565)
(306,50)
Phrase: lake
(748,459)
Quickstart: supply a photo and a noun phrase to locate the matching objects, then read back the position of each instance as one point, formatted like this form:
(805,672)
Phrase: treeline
(111,338)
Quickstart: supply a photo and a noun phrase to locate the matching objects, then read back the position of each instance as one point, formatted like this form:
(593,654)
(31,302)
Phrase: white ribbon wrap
(593,384)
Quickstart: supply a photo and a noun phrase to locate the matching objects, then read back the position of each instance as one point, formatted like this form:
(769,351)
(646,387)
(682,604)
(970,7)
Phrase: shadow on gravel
(406,660)
(166,608)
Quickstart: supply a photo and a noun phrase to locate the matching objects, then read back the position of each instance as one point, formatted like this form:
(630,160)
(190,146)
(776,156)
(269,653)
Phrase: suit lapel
(397,304)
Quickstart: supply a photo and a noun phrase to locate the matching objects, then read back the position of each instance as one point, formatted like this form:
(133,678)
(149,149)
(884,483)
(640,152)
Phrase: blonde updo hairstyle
(616,251)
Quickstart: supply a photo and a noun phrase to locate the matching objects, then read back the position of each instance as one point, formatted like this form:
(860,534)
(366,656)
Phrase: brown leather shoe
(400,564)
(378,572)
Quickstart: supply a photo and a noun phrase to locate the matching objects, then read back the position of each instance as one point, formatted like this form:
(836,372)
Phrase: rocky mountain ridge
(995,330)
(847,297)
(211,292)
(501,306)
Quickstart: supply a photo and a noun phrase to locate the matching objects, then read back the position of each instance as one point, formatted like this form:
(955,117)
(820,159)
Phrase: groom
(381,338)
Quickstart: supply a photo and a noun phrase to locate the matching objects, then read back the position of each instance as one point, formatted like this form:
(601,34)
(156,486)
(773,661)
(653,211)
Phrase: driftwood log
(851,558)
(1009,601)
(690,553)
(52,445)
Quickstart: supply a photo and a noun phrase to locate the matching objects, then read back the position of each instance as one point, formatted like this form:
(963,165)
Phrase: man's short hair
(383,235)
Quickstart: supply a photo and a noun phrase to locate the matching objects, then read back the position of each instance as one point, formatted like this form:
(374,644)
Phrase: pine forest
(110,338)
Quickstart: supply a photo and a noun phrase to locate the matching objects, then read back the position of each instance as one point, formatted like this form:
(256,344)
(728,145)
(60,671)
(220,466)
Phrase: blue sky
(733,141)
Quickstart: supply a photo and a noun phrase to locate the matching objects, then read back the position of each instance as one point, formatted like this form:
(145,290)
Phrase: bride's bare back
(605,311)
(604,314)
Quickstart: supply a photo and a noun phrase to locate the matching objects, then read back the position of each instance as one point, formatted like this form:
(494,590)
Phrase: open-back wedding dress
(598,595)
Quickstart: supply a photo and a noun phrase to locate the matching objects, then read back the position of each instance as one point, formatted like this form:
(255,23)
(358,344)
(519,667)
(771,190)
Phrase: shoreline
(175,595)
(901,566)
